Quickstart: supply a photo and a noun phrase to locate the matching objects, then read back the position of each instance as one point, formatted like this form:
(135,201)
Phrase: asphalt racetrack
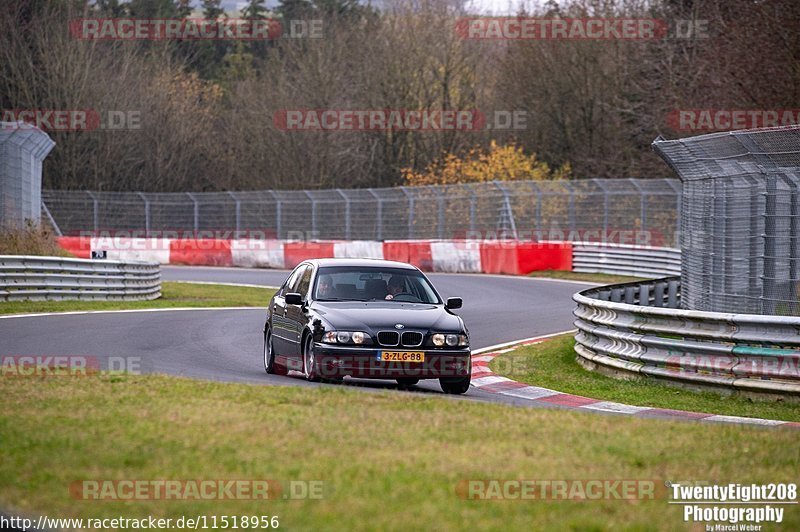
(226,345)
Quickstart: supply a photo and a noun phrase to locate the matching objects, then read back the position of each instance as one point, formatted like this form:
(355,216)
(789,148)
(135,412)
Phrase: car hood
(377,315)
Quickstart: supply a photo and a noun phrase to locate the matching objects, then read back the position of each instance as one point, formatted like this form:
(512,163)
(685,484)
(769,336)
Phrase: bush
(31,240)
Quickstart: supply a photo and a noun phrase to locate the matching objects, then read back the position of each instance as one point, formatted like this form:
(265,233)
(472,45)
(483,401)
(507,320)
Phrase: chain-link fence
(22,150)
(627,211)
(740,219)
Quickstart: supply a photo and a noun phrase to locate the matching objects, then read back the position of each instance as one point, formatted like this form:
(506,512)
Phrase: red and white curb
(485,380)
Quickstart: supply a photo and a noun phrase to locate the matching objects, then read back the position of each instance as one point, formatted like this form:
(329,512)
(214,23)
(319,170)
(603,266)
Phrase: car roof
(366,263)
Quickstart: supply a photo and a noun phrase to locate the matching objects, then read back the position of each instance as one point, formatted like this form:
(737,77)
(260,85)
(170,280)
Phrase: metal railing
(636,261)
(636,330)
(585,209)
(60,279)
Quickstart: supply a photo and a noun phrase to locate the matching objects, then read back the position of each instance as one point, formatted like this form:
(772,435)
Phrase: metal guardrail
(618,259)
(636,330)
(59,279)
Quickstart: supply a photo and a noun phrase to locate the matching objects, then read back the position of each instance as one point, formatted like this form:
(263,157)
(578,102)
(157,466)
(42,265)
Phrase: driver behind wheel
(325,288)
(395,286)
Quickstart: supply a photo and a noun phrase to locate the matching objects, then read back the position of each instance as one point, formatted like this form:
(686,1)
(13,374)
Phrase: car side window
(305,281)
(291,282)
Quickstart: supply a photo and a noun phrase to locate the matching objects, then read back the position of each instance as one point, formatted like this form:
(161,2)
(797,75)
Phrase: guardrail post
(672,294)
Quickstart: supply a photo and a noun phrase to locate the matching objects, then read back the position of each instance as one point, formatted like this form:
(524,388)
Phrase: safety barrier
(61,279)
(464,256)
(635,330)
(637,261)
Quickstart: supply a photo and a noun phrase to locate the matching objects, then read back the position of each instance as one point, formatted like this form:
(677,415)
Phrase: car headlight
(345,337)
(451,340)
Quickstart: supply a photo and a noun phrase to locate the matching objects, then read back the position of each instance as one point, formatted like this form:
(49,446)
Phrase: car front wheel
(455,386)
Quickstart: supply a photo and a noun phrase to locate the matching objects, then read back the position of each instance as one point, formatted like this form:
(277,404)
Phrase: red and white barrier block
(456,256)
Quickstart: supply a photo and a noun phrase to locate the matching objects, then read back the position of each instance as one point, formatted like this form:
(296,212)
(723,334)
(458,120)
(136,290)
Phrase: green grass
(387,460)
(551,364)
(172,295)
(602,278)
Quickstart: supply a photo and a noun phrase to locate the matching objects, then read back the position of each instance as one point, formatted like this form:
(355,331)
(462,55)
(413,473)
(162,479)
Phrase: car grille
(390,338)
(412,339)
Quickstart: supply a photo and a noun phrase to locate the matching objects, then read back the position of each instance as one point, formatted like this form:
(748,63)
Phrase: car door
(296,315)
(282,334)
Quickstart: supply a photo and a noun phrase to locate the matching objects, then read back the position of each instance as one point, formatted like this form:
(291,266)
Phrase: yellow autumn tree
(499,163)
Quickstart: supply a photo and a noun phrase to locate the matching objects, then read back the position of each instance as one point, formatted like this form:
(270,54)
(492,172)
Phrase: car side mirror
(293,298)
(453,303)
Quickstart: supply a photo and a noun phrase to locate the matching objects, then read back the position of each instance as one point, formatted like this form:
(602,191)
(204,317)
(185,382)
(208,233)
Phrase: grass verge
(172,295)
(602,278)
(387,460)
(551,364)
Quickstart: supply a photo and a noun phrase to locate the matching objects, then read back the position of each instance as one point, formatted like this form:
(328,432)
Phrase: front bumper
(362,362)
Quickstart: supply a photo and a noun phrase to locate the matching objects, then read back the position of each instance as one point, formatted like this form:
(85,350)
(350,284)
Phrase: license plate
(402,356)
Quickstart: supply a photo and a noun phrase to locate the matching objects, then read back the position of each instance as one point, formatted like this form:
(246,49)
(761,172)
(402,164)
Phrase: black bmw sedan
(366,318)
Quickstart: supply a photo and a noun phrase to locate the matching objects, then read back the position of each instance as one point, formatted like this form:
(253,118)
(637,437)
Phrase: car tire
(269,353)
(406,381)
(309,361)
(455,386)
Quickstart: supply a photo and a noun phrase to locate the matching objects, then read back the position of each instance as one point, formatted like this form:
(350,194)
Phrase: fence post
(378,215)
(238,212)
(410,213)
(278,214)
(571,208)
(472,208)
(643,204)
(313,212)
(95,211)
(346,214)
(146,213)
(605,207)
(678,205)
(439,212)
(196,214)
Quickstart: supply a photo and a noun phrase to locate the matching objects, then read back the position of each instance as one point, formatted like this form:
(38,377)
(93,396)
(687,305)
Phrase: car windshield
(361,283)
